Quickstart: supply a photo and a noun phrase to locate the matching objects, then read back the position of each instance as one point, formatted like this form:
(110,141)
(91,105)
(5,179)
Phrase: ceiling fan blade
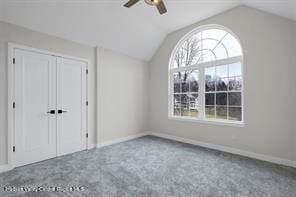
(130,3)
(161,7)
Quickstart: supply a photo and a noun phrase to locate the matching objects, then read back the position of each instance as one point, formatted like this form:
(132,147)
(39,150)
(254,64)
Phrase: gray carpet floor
(151,166)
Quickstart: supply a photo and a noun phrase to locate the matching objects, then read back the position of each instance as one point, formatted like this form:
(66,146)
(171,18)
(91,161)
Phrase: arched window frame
(201,72)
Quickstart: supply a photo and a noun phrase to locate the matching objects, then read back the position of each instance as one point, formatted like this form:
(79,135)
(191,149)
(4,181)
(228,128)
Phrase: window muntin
(185,97)
(205,46)
(206,73)
(223,92)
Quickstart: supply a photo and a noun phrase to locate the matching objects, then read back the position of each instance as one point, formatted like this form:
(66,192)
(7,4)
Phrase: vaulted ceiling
(136,32)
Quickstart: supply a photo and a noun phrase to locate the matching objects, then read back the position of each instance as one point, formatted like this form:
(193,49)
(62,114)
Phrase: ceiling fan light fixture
(152,2)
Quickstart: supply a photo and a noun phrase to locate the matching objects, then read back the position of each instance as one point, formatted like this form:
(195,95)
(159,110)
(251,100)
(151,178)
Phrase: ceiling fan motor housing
(152,2)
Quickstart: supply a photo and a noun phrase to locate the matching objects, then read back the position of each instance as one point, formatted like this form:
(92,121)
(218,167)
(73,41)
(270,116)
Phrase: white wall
(294,122)
(19,35)
(1,10)
(269,66)
(122,95)
(269,51)
(122,85)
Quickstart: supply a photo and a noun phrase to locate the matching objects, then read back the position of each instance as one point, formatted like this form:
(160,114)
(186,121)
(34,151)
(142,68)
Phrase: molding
(263,157)
(227,149)
(91,146)
(5,168)
(211,122)
(276,160)
(46,52)
(119,140)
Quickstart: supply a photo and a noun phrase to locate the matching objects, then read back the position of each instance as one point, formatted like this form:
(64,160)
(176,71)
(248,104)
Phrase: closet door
(35,104)
(71,106)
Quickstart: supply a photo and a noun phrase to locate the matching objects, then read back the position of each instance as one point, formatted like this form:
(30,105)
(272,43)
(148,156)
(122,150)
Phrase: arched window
(206,77)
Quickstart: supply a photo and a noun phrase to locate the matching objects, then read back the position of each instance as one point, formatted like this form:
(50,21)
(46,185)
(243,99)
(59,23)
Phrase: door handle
(60,111)
(51,112)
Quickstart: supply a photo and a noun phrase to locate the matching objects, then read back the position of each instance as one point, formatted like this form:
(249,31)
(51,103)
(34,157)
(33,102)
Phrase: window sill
(212,122)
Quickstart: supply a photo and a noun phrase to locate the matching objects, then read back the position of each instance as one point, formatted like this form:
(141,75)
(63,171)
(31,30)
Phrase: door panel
(35,95)
(71,90)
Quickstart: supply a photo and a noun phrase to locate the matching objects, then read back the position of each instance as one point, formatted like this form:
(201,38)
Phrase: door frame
(11,91)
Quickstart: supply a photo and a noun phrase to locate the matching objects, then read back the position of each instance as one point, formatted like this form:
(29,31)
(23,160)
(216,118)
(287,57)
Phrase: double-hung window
(206,77)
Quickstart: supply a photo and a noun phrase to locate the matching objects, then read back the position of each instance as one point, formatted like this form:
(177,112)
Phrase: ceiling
(136,32)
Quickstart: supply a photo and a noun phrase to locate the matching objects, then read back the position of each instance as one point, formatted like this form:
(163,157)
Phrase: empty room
(147,98)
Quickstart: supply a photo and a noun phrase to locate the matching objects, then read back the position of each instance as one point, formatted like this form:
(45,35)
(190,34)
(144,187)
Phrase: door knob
(60,111)
(51,112)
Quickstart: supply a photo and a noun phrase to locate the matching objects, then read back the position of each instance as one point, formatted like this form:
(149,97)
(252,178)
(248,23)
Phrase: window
(206,78)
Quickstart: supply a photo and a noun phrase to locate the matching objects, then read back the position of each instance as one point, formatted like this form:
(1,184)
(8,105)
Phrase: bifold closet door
(71,106)
(34,96)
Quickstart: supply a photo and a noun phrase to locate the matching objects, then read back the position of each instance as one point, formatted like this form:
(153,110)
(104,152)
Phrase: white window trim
(206,121)
(200,67)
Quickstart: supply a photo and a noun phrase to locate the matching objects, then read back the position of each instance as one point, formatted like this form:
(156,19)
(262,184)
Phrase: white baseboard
(5,167)
(130,137)
(281,161)
(258,156)
(227,149)
(91,146)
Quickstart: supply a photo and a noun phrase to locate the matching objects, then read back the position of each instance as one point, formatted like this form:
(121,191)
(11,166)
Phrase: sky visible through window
(206,46)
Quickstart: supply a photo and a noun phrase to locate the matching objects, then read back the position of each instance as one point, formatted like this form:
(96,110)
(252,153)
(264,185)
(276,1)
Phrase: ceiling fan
(158,3)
